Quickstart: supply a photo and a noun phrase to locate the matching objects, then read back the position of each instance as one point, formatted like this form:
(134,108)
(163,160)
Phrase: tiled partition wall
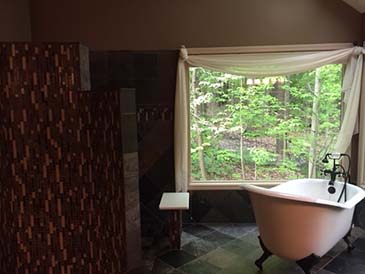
(61,181)
(152,74)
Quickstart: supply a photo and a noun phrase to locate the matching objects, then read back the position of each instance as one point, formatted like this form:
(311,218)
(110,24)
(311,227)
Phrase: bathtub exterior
(294,226)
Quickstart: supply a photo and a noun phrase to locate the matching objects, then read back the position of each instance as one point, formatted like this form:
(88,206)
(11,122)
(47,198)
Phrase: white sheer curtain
(263,64)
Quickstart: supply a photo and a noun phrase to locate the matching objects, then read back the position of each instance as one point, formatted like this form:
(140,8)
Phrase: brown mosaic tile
(61,191)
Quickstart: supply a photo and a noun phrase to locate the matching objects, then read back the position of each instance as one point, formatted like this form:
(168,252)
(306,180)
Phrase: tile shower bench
(175,203)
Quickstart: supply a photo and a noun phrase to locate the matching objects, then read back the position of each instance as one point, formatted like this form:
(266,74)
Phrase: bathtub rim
(277,194)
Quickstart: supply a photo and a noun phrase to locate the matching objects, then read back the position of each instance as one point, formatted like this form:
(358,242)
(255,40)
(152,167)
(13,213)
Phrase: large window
(262,129)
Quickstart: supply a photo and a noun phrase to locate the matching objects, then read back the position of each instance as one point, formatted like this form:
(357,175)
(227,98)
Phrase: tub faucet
(336,170)
(333,173)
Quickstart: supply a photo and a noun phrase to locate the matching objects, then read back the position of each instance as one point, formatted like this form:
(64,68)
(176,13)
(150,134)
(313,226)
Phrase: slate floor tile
(273,265)
(337,265)
(197,229)
(276,265)
(326,259)
(217,238)
(140,270)
(242,249)
(175,271)
(357,232)
(343,265)
(355,257)
(234,230)
(177,258)
(187,238)
(221,258)
(235,270)
(323,271)
(251,238)
(161,267)
(240,266)
(199,267)
(233,249)
(360,244)
(337,249)
(199,247)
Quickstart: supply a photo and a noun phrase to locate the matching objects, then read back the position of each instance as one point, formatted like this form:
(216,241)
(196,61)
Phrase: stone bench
(175,202)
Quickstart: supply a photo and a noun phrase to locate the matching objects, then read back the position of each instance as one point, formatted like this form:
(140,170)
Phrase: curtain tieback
(183,53)
(359,50)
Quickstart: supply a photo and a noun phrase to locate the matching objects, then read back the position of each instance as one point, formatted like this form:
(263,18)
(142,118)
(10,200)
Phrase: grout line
(337,255)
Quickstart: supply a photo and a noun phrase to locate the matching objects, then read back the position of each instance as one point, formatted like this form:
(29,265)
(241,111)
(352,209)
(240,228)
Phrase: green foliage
(260,131)
(219,163)
(262,157)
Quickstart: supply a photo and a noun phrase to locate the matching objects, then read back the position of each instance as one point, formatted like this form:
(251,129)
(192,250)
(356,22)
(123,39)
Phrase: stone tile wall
(130,177)
(153,75)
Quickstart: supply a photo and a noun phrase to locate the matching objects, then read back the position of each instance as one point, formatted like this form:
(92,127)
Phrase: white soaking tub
(299,218)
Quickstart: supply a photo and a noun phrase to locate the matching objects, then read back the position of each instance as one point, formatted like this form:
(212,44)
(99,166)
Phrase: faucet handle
(326,171)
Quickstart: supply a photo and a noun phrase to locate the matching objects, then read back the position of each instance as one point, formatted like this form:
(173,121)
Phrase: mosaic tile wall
(61,191)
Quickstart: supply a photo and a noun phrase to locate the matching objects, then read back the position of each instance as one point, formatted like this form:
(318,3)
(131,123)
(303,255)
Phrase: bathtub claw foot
(264,256)
(350,247)
(307,263)
(347,240)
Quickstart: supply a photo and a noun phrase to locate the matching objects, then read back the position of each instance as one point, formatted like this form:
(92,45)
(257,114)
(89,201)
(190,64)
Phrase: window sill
(230,185)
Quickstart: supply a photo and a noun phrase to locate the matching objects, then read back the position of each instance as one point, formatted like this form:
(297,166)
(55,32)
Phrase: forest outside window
(267,129)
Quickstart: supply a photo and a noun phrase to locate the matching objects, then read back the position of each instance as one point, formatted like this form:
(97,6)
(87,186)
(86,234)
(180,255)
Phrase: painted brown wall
(363,27)
(163,24)
(14,20)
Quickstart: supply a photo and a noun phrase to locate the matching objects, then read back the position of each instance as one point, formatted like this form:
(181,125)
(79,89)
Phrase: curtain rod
(269,49)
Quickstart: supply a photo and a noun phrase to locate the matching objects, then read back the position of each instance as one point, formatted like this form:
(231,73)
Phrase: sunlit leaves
(272,119)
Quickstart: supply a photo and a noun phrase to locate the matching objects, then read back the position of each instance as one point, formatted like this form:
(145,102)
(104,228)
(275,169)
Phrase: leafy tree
(277,128)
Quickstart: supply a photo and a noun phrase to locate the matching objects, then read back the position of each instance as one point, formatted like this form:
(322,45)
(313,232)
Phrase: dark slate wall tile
(128,100)
(221,206)
(146,66)
(129,133)
(153,75)
(359,217)
(85,80)
(121,69)
(99,70)
(150,88)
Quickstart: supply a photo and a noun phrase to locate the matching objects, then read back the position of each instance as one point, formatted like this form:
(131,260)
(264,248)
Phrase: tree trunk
(242,130)
(201,155)
(285,142)
(255,167)
(199,133)
(243,173)
(281,141)
(314,128)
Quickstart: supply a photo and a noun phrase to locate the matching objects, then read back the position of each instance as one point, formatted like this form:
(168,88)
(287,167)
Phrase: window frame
(229,184)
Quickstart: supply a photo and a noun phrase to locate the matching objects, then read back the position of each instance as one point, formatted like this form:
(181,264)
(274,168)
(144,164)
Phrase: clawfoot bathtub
(299,220)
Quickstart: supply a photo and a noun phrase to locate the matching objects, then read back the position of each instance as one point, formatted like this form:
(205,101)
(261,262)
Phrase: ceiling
(359,5)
